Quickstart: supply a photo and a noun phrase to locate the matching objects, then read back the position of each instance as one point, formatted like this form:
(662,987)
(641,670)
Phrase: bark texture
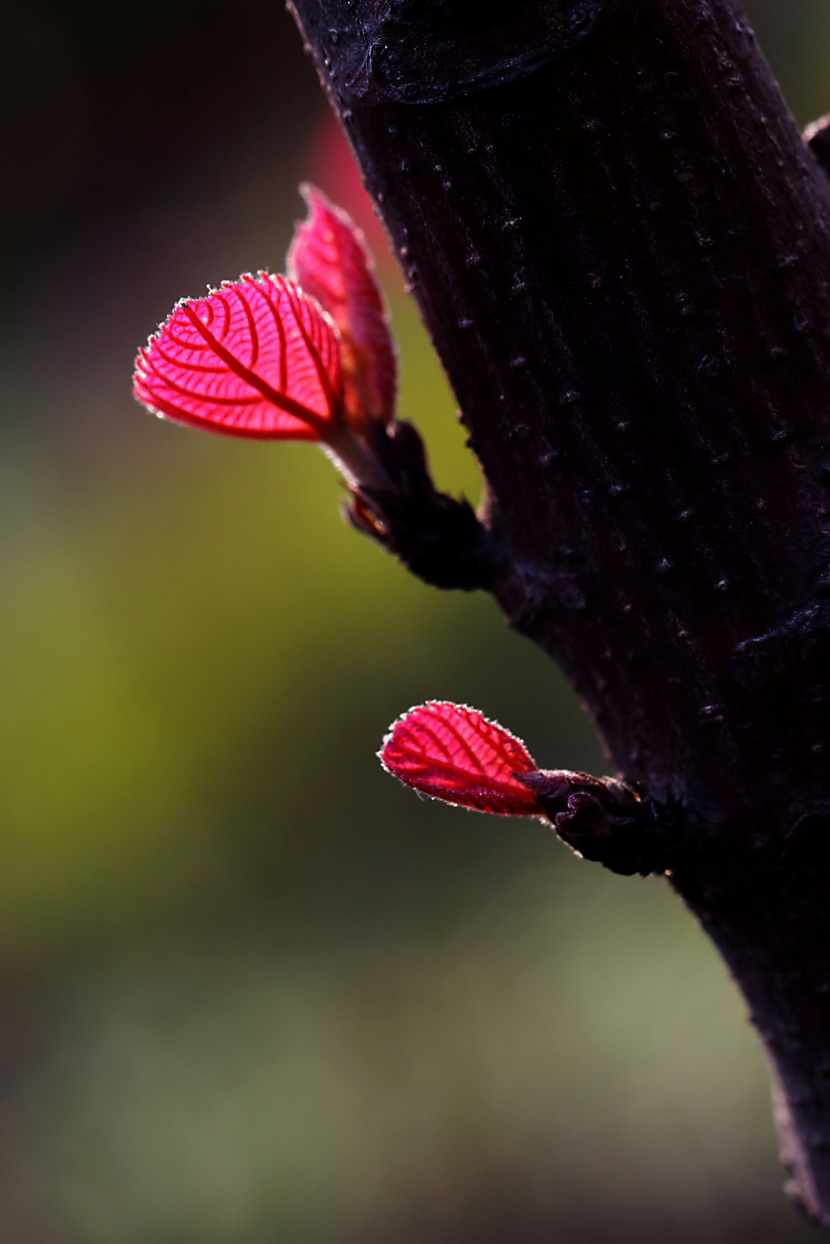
(620,246)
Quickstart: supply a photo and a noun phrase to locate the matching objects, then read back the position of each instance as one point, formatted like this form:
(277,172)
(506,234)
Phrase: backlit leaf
(329,260)
(256,357)
(453,753)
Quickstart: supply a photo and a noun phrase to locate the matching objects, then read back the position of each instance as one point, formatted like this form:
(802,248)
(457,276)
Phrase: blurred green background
(250,989)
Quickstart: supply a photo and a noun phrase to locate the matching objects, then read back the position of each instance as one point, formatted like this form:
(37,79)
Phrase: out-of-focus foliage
(253,990)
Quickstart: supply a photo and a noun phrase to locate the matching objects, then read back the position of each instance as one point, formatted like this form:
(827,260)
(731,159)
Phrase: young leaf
(329,260)
(453,753)
(256,357)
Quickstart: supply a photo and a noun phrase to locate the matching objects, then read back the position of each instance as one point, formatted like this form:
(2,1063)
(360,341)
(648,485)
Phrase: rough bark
(620,246)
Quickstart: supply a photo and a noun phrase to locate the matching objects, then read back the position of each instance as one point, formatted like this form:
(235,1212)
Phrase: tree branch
(620,246)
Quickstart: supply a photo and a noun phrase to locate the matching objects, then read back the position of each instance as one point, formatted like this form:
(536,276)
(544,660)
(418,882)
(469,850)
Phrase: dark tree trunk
(620,245)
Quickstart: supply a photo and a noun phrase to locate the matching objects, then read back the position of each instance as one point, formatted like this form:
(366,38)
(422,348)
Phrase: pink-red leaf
(453,753)
(256,357)
(329,260)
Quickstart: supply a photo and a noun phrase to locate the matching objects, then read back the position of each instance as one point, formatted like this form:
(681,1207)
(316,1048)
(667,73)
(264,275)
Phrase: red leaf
(329,260)
(254,358)
(453,753)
